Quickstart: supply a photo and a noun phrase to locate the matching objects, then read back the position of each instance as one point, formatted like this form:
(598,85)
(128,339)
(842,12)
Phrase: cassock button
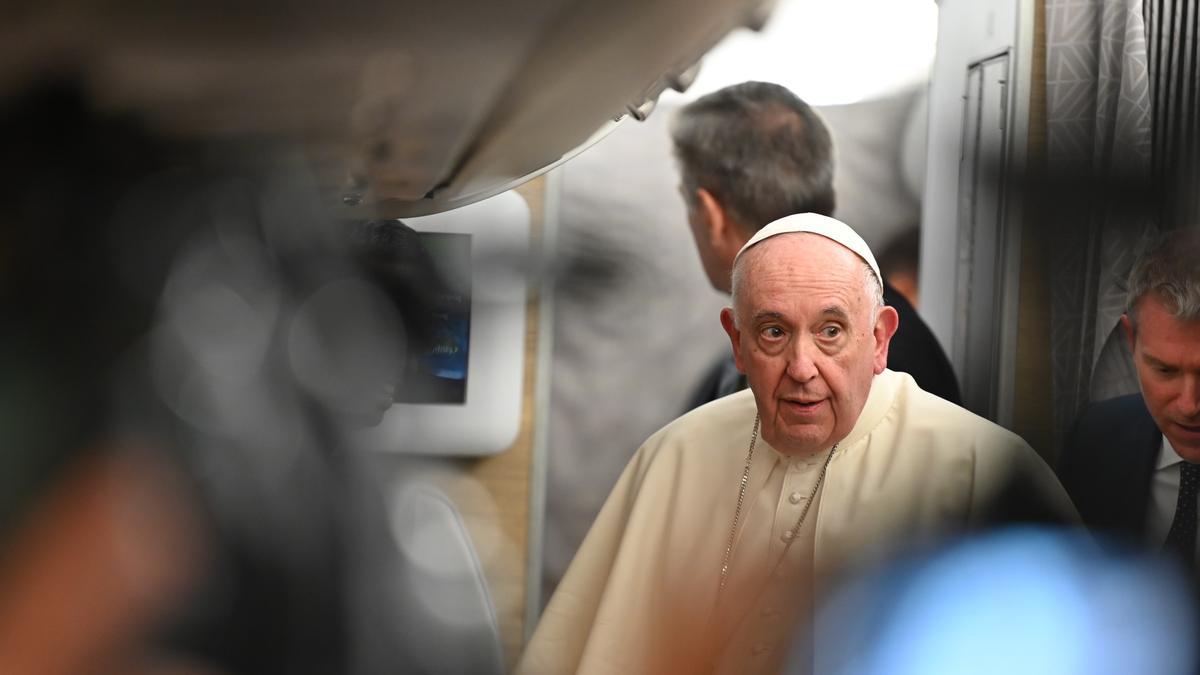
(795,497)
(787,535)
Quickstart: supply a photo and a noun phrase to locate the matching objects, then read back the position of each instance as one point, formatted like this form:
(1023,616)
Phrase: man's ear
(1127,328)
(735,337)
(726,235)
(886,324)
(714,215)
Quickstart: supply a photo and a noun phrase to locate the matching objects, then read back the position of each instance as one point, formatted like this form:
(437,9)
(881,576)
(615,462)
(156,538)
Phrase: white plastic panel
(971,221)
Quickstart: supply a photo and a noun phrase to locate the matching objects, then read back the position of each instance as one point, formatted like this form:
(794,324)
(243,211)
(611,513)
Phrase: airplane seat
(454,628)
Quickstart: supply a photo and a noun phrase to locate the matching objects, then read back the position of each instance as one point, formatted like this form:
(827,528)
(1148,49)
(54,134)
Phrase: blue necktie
(1182,536)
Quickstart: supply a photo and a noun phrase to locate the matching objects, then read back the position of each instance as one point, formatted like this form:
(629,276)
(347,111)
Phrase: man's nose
(801,366)
(1189,399)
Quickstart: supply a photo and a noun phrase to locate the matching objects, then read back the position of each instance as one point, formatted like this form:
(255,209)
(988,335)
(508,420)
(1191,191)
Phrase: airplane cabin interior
(329,328)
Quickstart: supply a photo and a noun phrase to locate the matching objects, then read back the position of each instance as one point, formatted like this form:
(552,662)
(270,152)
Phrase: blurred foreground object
(1020,601)
(174,418)
(419,106)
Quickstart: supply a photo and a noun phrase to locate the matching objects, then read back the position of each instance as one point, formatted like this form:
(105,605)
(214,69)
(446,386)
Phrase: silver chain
(737,513)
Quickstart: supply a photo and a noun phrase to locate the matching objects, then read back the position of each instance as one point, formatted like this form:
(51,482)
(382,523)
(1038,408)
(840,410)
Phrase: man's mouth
(804,406)
(1189,428)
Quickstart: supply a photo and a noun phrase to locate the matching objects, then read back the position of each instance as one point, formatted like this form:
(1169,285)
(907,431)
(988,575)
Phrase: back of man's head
(759,150)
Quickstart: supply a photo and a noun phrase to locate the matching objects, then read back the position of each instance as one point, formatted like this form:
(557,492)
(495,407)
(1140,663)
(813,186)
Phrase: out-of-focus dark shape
(1173,62)
(66,313)
(182,323)
(419,106)
(100,529)
(176,461)
(1018,601)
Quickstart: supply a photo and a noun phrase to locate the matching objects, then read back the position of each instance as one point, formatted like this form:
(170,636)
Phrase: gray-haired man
(1132,463)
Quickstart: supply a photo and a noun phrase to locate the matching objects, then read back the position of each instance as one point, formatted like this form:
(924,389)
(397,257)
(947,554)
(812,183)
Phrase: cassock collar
(879,402)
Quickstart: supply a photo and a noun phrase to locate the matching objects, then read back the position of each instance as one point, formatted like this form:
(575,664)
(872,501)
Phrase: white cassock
(642,594)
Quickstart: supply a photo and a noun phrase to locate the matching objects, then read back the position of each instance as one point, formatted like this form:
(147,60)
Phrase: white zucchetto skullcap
(814,223)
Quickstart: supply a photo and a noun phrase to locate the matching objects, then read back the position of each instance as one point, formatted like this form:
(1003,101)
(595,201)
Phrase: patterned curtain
(1173,29)
(1099,133)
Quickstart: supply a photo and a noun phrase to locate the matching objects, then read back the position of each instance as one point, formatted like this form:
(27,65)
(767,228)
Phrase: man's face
(1166,353)
(806,340)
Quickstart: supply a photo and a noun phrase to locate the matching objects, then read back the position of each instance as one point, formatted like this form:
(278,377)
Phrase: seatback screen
(437,373)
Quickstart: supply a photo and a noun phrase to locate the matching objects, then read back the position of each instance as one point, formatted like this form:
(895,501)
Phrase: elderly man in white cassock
(729,523)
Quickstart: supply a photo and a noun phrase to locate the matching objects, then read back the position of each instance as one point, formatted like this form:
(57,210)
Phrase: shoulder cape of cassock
(639,595)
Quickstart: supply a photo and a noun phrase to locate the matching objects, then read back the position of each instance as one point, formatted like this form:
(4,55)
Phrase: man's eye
(831,332)
(772,332)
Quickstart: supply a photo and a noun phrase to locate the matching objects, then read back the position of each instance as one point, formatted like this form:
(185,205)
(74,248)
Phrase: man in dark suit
(751,154)
(1132,464)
